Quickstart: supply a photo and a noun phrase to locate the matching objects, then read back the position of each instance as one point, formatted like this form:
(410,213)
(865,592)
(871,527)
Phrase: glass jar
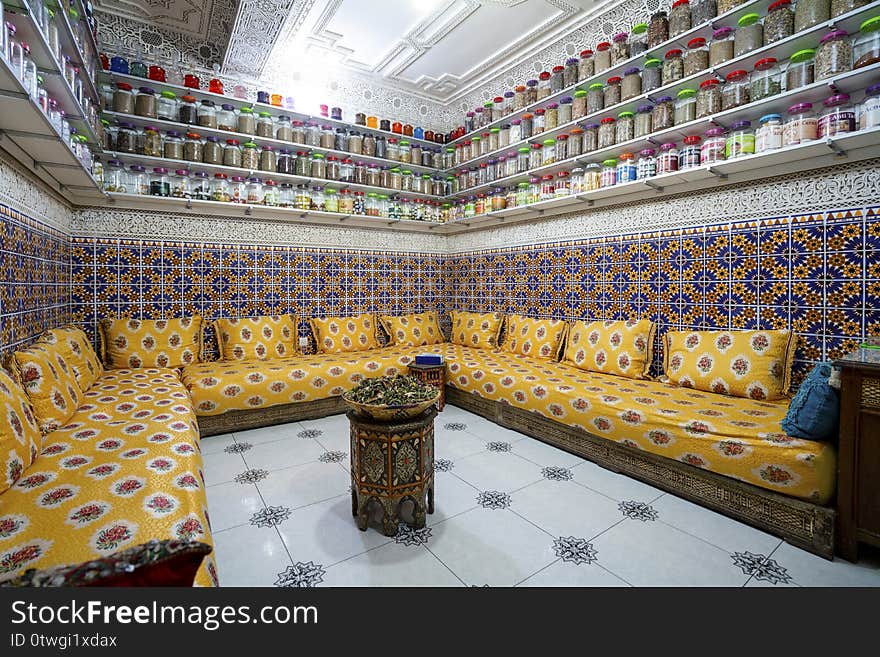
(595,98)
(808,13)
(160,182)
(679,18)
(667,159)
(869,113)
(579,104)
(652,76)
(866,47)
(619,48)
(551,120)
(591,137)
(834,55)
(602,58)
(126,138)
(226,119)
(508,106)
(768,136)
(766,79)
(180,184)
(799,71)
(548,188)
(201,186)
(268,159)
(519,98)
(714,145)
(565,114)
(232,153)
(721,46)
(331,200)
(631,86)
(557,84)
(689,154)
(638,41)
(575,141)
(207,114)
(250,156)
(522,159)
(346,201)
(625,128)
(284,162)
(220,188)
(173,146)
(685,107)
(312,133)
(658,29)
(543,84)
(607,133)
(152,142)
(145,103)
(283,129)
(779,22)
(592,177)
(569,76)
(749,34)
(115,178)
(561,148)
(643,125)
(838,117)
(396,179)
(663,114)
(538,122)
(736,90)
(212,151)
(166,108)
(646,167)
(703,11)
(247,122)
(740,140)
(298,132)
(265,125)
(673,66)
(271,194)
(187,111)
(626,168)
(708,98)
(612,91)
(536,155)
(302,198)
(609,173)
(696,59)
(384,177)
(585,65)
(531,92)
(374,177)
(548,152)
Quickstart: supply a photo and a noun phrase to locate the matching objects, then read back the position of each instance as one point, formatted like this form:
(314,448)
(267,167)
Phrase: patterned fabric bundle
(622,348)
(134,343)
(476,329)
(257,338)
(541,338)
(413,330)
(337,335)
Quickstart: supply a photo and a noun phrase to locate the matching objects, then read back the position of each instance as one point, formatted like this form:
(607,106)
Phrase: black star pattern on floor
(443,465)
(411,536)
(761,567)
(310,433)
(271,516)
(303,574)
(237,448)
(251,476)
(332,457)
(493,499)
(638,510)
(556,473)
(455,426)
(574,550)
(499,446)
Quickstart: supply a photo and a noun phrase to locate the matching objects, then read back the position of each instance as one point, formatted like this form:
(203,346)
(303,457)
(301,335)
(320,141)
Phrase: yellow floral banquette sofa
(709,429)
(96,461)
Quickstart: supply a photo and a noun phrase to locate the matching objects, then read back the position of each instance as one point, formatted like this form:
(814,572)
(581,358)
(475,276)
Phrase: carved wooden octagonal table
(391,463)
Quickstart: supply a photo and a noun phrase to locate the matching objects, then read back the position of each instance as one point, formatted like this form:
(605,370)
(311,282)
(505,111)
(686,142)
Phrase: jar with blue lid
(768,136)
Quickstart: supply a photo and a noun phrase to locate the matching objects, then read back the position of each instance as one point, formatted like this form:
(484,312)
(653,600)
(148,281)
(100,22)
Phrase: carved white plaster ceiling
(186,16)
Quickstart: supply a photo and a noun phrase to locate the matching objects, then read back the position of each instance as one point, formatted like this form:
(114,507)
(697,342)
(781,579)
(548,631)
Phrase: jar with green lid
(808,13)
(749,34)
(799,71)
(319,165)
(265,125)
(609,173)
(331,201)
(495,139)
(250,156)
(405,151)
(522,193)
(476,146)
(395,179)
(548,152)
(167,106)
(685,107)
(595,98)
(624,128)
(866,46)
(779,22)
(579,104)
(406,180)
(638,40)
(522,159)
(247,122)
(652,75)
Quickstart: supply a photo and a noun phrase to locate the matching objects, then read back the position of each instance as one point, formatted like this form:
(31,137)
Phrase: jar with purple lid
(643,124)
(336,114)
(515,131)
(838,117)
(115,178)
(226,118)
(531,91)
(570,77)
(834,55)
(173,145)
(470,122)
(507,107)
(801,125)
(263,97)
(721,46)
(238,189)
(646,167)
(565,114)
(591,137)
(631,85)
(180,184)
(160,184)
(667,160)
(714,145)
(740,140)
(619,48)
(551,116)
(663,114)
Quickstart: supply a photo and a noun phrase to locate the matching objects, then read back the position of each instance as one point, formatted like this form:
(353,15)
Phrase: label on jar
(870,116)
(626,173)
(799,130)
(836,123)
(768,137)
(713,150)
(688,157)
(740,144)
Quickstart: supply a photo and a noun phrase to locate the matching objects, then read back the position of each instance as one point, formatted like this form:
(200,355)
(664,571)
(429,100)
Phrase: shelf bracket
(714,172)
(653,185)
(189,205)
(248,211)
(838,151)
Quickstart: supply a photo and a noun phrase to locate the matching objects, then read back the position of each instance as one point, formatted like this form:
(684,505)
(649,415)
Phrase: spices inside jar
(625,128)
(721,47)
(207,114)
(619,48)
(643,121)
(607,133)
(658,29)
(631,86)
(173,146)
(638,42)
(602,58)
(834,55)
(749,35)
(702,11)
(673,66)
(696,58)
(736,90)
(250,158)
(685,107)
(866,48)
(766,79)
(585,67)
(145,103)
(192,147)
(679,18)
(612,91)
(652,76)
(663,114)
(779,22)
(808,13)
(152,142)
(708,98)
(799,71)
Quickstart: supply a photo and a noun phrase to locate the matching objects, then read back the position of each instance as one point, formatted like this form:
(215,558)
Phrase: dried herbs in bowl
(395,397)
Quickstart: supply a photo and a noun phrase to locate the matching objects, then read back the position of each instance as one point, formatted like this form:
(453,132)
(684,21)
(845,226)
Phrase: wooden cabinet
(858,488)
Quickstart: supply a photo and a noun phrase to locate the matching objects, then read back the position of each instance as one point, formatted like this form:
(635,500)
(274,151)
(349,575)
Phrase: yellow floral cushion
(50,383)
(134,343)
(476,329)
(413,330)
(337,335)
(752,364)
(622,348)
(540,338)
(19,434)
(81,357)
(247,338)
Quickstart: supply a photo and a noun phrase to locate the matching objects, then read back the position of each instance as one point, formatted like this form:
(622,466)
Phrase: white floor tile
(269,434)
(451,497)
(249,556)
(282,454)
(715,528)
(503,471)
(214,444)
(221,467)
(563,508)
(456,444)
(494,547)
(563,573)
(655,554)
(544,454)
(304,484)
(232,504)
(807,569)
(614,485)
(391,565)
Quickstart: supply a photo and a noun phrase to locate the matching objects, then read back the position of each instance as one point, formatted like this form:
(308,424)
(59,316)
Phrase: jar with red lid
(497,108)
(667,160)
(619,48)
(673,66)
(563,184)
(548,188)
(766,79)
(607,132)
(612,91)
(779,21)
(736,90)
(536,155)
(123,98)
(539,121)
(679,18)
(562,147)
(397,127)
(557,79)
(689,154)
(602,57)
(708,98)
(191,81)
(544,85)
(585,65)
(714,145)
(696,58)
(156,73)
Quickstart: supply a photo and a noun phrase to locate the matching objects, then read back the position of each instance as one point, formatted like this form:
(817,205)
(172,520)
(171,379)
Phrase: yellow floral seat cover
(125,469)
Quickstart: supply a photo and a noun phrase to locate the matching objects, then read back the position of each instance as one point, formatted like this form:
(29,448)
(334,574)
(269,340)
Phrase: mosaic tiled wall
(817,274)
(154,279)
(34,277)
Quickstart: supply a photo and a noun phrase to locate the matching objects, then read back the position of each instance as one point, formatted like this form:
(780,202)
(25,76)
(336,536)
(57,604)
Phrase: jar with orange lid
(187,111)
(575,141)
(626,168)
(519,97)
